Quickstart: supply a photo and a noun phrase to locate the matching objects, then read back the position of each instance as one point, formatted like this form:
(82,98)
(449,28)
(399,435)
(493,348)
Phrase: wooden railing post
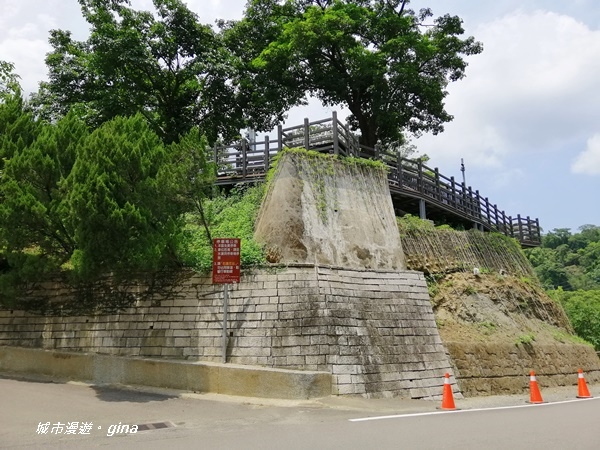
(496,217)
(334,130)
(469,204)
(453,192)
(267,155)
(437,194)
(420,176)
(279,138)
(520,225)
(306,134)
(244,157)
(399,170)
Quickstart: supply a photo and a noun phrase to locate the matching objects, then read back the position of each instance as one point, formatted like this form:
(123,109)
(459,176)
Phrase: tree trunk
(368,131)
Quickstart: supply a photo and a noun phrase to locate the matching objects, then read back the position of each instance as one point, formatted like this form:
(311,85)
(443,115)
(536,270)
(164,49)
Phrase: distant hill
(568,260)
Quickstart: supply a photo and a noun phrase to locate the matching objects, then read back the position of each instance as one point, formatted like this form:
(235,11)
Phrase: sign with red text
(226,261)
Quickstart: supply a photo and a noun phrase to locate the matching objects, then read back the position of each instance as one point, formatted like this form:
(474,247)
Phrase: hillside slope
(492,314)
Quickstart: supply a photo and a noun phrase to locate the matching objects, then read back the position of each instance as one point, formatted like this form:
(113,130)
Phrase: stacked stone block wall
(373,330)
(486,369)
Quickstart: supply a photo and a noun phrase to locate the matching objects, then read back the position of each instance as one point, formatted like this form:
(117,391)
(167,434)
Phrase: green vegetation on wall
(441,249)
(318,169)
(231,215)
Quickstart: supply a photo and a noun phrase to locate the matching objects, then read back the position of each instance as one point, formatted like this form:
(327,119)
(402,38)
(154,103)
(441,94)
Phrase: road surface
(41,414)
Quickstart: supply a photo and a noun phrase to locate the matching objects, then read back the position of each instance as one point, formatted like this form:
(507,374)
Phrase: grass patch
(487,327)
(525,339)
(227,216)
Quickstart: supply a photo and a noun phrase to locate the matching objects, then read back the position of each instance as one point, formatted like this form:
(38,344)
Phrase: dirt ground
(497,309)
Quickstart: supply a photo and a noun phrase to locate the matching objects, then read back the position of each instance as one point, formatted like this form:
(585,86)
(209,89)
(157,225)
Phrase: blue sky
(527,115)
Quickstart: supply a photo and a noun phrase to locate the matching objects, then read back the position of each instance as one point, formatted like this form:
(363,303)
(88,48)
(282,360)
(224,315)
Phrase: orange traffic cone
(535,395)
(583,389)
(447,398)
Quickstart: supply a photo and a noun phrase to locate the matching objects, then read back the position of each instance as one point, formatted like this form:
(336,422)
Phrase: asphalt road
(75,415)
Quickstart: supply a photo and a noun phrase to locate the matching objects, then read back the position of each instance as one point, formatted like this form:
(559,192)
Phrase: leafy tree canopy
(567,260)
(86,204)
(166,66)
(377,57)
(120,213)
(583,309)
(9,80)
(18,127)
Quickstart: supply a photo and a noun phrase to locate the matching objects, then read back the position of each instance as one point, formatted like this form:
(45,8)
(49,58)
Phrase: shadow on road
(113,394)
(30,378)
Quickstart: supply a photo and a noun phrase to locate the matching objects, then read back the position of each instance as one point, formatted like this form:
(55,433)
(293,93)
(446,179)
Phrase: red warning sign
(226,261)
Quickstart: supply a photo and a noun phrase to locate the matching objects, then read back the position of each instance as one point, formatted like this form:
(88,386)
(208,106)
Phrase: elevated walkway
(415,188)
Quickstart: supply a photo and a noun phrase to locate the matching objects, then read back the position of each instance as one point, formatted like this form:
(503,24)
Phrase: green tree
(34,241)
(18,127)
(9,80)
(377,57)
(553,275)
(587,234)
(556,237)
(583,309)
(32,214)
(569,260)
(189,176)
(122,217)
(166,66)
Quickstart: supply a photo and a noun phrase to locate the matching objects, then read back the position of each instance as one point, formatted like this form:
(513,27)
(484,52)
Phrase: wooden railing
(249,161)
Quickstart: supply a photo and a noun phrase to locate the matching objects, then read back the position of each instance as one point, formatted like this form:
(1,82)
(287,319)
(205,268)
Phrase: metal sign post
(226,270)
(224,338)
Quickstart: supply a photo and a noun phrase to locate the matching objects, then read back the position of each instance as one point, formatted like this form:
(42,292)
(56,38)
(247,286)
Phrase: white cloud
(588,161)
(8,10)
(533,89)
(507,178)
(28,56)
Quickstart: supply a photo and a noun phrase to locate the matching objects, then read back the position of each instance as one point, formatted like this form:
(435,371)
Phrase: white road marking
(457,411)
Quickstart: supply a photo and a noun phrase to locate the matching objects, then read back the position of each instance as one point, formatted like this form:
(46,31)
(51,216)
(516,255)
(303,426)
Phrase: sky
(526,116)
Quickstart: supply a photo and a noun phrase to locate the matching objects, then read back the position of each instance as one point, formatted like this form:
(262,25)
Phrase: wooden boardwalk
(415,188)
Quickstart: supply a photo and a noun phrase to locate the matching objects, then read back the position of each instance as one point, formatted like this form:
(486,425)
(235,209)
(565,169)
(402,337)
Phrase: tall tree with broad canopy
(164,65)
(387,63)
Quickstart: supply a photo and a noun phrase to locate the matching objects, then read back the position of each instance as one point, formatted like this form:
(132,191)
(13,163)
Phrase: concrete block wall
(374,331)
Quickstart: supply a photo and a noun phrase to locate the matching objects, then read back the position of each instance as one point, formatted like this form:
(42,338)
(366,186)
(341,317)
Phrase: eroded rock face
(322,211)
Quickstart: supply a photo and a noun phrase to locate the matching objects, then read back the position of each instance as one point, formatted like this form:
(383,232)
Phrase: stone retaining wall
(374,331)
(486,369)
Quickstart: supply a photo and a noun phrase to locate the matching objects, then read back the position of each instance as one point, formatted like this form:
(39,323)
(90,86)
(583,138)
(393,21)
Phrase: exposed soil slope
(494,308)
(499,328)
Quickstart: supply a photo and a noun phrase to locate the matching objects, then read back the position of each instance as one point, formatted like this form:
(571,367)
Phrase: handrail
(246,161)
